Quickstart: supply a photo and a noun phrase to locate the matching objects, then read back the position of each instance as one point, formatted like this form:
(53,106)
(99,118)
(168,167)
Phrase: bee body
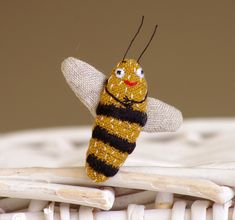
(121,113)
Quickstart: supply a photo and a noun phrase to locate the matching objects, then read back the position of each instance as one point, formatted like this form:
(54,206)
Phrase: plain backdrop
(190,63)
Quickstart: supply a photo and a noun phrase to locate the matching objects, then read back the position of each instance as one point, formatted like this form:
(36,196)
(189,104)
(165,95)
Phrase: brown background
(190,63)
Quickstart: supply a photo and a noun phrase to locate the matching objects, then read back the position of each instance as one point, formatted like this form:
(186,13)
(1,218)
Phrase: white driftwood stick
(128,177)
(102,199)
(140,198)
(13,204)
(37,205)
(220,212)
(23,215)
(221,176)
(125,191)
(49,211)
(163,214)
(164,200)
(64,211)
(85,213)
(34,216)
(167,200)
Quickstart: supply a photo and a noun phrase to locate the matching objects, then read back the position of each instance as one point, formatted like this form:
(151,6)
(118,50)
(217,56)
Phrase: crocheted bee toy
(121,109)
(121,113)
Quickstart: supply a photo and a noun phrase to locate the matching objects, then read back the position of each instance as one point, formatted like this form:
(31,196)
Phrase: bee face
(127,80)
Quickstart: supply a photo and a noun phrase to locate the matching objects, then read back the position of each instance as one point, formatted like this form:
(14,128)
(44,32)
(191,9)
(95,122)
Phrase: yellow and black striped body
(117,125)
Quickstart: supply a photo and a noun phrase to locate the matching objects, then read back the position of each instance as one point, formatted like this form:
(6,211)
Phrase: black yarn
(118,143)
(100,166)
(123,114)
(127,102)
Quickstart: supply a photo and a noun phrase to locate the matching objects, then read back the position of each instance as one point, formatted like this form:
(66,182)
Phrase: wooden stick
(128,177)
(49,211)
(164,200)
(139,198)
(37,205)
(64,211)
(13,204)
(102,199)
(24,215)
(198,210)
(164,214)
(125,191)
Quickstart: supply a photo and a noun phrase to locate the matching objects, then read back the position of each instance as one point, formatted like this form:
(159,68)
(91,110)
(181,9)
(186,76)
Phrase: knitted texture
(87,83)
(121,112)
(120,115)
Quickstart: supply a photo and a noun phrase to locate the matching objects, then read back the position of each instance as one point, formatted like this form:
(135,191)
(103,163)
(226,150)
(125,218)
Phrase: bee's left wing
(162,117)
(87,83)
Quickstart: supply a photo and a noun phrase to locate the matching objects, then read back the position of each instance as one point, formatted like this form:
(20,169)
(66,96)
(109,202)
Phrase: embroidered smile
(126,102)
(130,83)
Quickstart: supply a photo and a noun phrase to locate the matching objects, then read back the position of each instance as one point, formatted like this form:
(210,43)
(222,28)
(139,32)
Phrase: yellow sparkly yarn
(120,115)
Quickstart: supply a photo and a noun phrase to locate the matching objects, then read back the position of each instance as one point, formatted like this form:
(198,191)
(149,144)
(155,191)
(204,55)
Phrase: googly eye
(140,73)
(119,73)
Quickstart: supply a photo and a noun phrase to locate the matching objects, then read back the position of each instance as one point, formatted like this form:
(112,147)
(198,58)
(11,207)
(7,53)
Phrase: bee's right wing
(87,83)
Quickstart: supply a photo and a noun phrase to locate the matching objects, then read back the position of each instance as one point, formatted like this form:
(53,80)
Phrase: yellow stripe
(96,177)
(106,99)
(110,155)
(123,129)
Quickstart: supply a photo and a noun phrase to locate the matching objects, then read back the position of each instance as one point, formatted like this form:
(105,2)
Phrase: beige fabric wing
(87,83)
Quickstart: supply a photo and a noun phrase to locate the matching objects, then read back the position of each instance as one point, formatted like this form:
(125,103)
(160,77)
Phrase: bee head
(127,80)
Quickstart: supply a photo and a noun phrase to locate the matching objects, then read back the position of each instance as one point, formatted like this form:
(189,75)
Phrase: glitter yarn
(121,113)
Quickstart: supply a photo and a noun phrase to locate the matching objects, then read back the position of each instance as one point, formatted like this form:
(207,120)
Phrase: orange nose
(130,83)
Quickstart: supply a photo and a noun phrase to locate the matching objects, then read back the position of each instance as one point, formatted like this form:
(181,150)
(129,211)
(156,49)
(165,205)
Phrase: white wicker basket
(184,175)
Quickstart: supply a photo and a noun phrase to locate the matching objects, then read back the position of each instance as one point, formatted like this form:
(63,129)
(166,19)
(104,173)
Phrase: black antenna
(134,38)
(148,43)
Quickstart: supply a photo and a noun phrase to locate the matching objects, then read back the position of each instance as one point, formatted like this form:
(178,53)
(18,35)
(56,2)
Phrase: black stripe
(113,140)
(124,114)
(100,166)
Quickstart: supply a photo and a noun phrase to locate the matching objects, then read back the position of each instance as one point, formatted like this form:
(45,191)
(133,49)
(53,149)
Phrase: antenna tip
(142,19)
